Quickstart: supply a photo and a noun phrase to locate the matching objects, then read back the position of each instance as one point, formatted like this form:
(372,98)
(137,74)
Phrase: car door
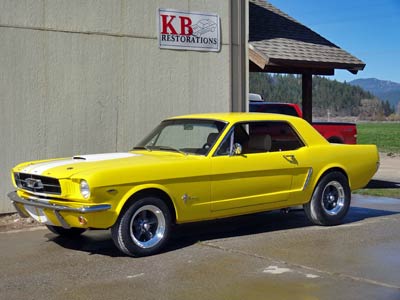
(261,175)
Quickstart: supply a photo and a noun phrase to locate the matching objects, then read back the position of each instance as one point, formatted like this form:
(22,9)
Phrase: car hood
(67,167)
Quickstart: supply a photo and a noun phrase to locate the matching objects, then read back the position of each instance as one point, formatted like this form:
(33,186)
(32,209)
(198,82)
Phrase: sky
(367,29)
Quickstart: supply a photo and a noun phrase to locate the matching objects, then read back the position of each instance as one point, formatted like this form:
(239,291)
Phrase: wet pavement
(262,256)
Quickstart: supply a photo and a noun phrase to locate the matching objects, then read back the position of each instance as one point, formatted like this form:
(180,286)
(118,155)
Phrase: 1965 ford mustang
(194,168)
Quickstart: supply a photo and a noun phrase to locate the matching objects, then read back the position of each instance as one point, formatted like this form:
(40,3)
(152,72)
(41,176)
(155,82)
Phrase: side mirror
(236,150)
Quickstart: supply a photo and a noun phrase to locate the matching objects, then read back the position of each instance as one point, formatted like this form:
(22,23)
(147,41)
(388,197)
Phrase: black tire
(330,201)
(335,140)
(71,232)
(143,228)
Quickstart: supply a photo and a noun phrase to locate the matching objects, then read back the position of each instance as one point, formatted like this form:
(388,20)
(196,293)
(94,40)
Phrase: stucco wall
(88,77)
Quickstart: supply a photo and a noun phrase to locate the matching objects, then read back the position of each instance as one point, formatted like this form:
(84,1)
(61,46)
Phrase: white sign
(188,30)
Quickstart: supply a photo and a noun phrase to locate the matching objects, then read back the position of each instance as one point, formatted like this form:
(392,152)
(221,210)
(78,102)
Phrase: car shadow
(99,241)
(382,184)
(93,242)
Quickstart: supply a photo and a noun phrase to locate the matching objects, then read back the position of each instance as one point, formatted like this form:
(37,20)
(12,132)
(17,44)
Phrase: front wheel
(330,201)
(143,228)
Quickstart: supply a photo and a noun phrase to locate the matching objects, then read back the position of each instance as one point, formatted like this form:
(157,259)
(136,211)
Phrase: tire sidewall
(121,231)
(314,209)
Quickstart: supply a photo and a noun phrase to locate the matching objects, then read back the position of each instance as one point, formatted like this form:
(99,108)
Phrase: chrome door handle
(291,158)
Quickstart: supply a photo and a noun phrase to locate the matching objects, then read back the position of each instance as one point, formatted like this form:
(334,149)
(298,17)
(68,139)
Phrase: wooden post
(307,96)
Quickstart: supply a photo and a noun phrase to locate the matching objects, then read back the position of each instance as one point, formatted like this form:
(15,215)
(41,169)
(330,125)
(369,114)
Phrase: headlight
(85,190)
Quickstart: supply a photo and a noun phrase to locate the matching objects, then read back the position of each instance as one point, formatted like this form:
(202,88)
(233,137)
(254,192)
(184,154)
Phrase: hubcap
(147,227)
(333,198)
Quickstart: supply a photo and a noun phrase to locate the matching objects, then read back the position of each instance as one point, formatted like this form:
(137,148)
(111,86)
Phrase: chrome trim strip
(42,203)
(309,174)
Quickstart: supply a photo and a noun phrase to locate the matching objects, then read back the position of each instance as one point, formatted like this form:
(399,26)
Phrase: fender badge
(186,197)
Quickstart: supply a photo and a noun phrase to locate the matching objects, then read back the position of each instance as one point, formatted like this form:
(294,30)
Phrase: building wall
(88,77)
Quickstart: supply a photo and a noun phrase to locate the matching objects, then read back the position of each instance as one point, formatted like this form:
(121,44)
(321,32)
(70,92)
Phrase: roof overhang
(260,62)
(280,44)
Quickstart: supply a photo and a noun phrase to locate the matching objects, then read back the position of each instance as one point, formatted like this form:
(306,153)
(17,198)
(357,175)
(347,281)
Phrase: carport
(280,44)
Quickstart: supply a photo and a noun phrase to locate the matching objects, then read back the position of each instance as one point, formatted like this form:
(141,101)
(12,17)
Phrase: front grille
(37,183)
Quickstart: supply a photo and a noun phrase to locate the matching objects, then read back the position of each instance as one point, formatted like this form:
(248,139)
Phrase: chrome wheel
(333,198)
(147,226)
(330,201)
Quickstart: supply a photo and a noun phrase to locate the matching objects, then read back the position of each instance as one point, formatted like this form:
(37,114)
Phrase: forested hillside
(329,96)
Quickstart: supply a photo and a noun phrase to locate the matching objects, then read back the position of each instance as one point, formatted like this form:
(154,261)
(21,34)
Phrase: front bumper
(56,209)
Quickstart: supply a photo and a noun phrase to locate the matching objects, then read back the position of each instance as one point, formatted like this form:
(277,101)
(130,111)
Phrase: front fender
(140,188)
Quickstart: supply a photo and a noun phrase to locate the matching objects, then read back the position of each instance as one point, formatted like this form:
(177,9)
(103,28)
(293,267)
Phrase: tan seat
(260,143)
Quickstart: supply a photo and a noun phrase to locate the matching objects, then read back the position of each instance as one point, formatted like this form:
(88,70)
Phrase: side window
(238,134)
(277,135)
(261,137)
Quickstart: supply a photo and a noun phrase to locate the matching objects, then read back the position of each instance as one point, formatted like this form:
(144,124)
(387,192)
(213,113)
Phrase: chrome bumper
(41,203)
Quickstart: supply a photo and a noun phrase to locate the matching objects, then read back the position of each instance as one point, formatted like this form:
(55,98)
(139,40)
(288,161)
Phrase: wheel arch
(148,191)
(330,170)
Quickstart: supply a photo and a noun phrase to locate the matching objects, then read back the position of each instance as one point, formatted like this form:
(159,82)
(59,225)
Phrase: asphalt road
(262,256)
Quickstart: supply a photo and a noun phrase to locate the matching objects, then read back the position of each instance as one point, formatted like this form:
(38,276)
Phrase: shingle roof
(284,42)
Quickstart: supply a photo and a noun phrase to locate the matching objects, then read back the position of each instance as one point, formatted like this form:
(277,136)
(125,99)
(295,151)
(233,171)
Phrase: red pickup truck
(343,133)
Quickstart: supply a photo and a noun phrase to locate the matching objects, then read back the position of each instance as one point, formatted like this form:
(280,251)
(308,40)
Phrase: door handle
(291,158)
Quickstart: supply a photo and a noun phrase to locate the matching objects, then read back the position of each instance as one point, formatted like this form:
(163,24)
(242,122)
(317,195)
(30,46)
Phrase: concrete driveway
(262,256)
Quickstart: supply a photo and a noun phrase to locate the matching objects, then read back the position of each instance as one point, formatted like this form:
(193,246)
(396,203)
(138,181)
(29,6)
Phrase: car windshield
(188,136)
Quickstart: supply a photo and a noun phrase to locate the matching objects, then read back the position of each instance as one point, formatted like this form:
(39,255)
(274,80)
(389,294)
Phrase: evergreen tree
(329,96)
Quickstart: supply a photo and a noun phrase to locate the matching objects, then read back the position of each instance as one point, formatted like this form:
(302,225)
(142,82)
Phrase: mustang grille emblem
(33,183)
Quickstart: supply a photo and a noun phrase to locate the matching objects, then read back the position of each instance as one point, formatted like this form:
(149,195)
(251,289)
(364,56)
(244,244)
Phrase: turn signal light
(82,220)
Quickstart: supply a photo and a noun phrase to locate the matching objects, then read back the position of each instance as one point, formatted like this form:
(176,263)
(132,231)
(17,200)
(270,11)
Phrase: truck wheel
(66,232)
(143,228)
(330,201)
(335,140)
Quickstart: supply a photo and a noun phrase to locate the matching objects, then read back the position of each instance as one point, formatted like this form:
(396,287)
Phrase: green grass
(385,135)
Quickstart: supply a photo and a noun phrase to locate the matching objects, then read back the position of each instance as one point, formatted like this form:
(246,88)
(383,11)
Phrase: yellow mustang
(193,168)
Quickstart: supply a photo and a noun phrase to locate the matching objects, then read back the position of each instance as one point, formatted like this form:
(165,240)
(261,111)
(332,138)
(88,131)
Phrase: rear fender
(330,168)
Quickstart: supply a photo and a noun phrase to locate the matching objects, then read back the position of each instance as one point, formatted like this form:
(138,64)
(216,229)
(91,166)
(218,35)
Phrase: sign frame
(182,30)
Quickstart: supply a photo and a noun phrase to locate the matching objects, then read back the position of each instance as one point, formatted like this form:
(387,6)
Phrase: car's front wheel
(143,228)
(330,201)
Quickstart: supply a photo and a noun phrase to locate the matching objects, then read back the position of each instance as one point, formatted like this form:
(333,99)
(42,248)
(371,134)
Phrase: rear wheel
(330,201)
(67,232)
(143,228)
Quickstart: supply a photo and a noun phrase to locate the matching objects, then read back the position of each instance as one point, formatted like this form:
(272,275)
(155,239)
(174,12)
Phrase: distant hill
(330,97)
(383,89)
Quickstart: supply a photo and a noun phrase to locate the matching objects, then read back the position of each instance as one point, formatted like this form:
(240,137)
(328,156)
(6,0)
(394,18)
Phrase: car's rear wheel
(143,228)
(330,201)
(67,232)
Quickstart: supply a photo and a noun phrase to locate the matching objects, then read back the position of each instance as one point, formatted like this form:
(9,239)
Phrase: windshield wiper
(141,148)
(169,148)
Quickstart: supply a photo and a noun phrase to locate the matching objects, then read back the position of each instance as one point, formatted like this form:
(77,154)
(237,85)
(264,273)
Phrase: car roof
(309,134)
